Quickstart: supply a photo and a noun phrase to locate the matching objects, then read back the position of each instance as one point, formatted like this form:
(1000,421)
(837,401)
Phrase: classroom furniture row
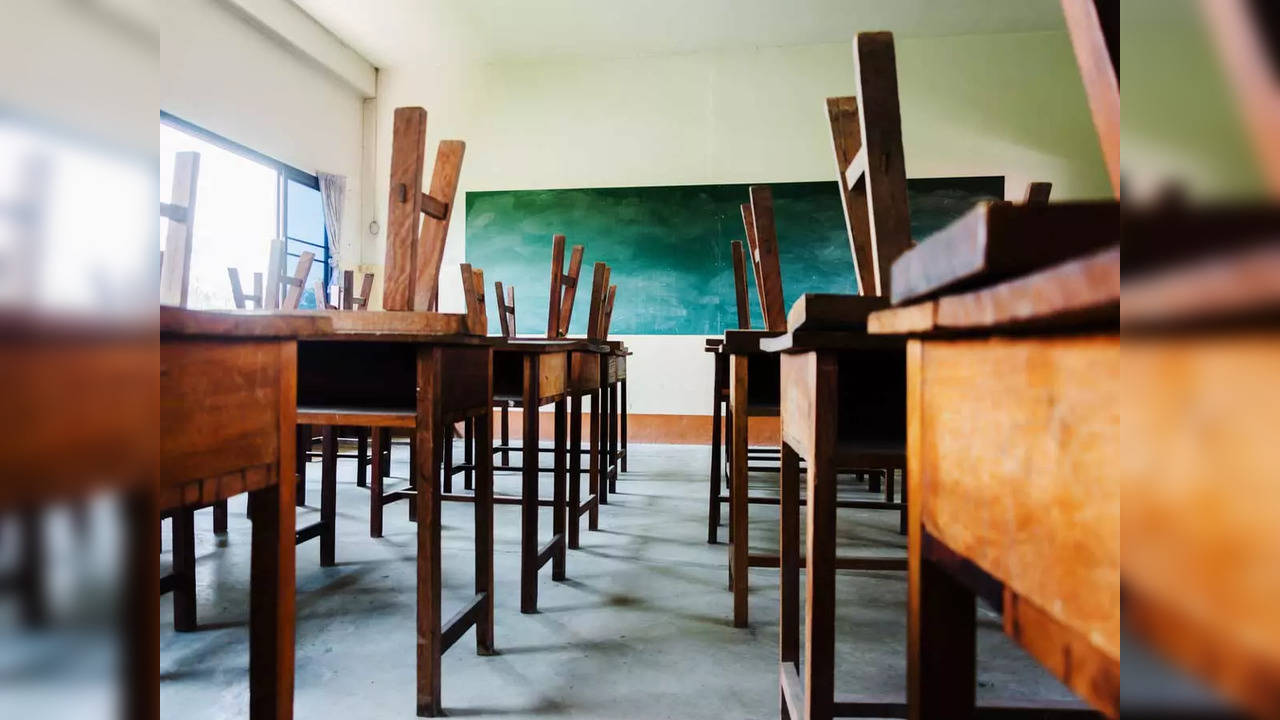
(405,370)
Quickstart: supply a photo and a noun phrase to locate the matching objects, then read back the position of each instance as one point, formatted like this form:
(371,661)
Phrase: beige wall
(972,105)
(229,75)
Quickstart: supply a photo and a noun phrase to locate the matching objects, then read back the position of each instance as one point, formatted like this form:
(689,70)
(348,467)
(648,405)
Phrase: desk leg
(362,455)
(728,461)
(594,486)
(738,494)
(737,547)
(820,546)
(141,607)
(272,568)
(613,437)
(600,415)
(427,457)
(713,501)
(529,489)
(183,528)
(380,440)
(789,564)
(484,530)
(328,494)
(558,504)
(575,468)
(622,409)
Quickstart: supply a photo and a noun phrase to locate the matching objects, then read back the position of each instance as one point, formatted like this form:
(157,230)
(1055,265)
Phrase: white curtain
(333,189)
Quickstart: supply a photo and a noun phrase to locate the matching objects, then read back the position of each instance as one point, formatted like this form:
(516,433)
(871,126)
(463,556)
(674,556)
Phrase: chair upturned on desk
(419,371)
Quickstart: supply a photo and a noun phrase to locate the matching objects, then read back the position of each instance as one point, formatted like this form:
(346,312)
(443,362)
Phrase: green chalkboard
(668,246)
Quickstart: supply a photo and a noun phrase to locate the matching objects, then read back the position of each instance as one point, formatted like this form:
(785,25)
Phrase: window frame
(284,173)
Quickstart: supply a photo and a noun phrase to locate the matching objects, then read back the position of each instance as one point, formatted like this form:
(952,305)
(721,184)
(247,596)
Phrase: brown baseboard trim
(652,428)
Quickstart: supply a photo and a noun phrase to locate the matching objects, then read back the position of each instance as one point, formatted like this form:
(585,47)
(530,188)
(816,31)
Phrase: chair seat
(359,417)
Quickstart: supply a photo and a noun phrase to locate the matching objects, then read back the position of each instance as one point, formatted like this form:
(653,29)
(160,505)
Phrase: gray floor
(641,629)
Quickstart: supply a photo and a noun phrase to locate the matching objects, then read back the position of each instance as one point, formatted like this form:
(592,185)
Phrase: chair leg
(184,569)
(468,452)
(713,501)
(381,438)
(220,520)
(300,464)
(328,495)
(505,435)
(622,419)
(362,457)
(447,480)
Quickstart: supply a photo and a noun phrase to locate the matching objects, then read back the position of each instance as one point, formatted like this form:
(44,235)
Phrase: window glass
(235,217)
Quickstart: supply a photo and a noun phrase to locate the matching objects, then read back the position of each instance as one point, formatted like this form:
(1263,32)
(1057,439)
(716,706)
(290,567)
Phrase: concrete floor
(641,629)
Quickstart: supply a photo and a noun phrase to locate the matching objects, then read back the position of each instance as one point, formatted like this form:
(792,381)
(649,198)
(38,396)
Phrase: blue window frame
(299,207)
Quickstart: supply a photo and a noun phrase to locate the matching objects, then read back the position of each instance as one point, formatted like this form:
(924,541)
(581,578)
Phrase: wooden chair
(269,297)
(853,396)
(175,277)
(564,289)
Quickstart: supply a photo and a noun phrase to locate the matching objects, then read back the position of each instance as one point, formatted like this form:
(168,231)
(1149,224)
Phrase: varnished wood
(473,295)
(175,270)
(889,225)
(599,285)
(557,272)
(767,266)
(295,283)
(1098,71)
(506,308)
(814,311)
(846,138)
(430,248)
(991,243)
(753,252)
(1037,193)
(408,149)
(740,286)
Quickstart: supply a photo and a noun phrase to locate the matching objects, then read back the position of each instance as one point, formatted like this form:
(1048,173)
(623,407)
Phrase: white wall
(973,105)
(227,73)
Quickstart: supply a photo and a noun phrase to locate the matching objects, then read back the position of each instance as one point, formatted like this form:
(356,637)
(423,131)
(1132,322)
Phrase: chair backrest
(1037,193)
(175,263)
(607,314)
(350,300)
(473,295)
(599,296)
(1094,27)
(866,133)
(506,308)
(740,286)
(241,298)
(296,283)
(417,222)
(564,287)
(1247,47)
(757,220)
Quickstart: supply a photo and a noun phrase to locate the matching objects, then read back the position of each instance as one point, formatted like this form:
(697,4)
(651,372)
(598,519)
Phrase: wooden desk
(614,375)
(744,360)
(540,372)
(1199,484)
(422,371)
(843,408)
(82,404)
(1013,441)
(228,387)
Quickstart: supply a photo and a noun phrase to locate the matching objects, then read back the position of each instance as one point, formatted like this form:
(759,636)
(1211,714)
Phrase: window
(244,200)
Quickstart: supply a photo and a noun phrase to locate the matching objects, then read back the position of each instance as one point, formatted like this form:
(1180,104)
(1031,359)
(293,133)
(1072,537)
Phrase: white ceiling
(392,33)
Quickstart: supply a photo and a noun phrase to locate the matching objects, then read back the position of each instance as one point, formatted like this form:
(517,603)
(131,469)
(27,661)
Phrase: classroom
(673,359)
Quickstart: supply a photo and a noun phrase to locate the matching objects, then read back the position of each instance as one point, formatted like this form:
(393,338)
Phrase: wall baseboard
(652,428)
